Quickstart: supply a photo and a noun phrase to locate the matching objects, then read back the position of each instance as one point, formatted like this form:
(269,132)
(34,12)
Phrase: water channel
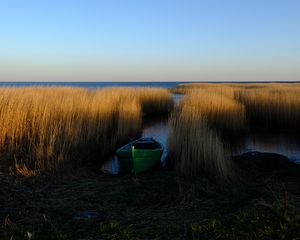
(284,143)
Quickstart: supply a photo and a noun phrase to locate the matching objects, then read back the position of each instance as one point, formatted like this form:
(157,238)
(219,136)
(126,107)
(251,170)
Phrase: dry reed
(272,107)
(211,87)
(221,111)
(153,100)
(211,111)
(269,105)
(195,148)
(185,88)
(41,127)
(196,129)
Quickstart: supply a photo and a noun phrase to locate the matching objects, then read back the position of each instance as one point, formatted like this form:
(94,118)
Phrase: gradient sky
(172,40)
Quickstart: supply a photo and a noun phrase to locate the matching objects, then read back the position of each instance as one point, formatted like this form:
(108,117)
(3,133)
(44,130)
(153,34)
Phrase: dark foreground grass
(154,205)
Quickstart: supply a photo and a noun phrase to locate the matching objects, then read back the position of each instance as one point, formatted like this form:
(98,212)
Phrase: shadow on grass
(153,205)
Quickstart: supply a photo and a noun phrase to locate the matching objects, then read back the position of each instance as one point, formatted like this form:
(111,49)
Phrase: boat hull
(138,160)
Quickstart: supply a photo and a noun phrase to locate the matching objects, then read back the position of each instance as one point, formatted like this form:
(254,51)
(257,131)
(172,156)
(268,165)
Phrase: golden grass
(195,148)
(41,127)
(221,111)
(196,129)
(209,112)
(211,87)
(185,88)
(266,104)
(153,100)
(272,107)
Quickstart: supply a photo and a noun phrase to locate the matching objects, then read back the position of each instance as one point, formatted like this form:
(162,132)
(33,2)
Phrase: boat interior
(143,143)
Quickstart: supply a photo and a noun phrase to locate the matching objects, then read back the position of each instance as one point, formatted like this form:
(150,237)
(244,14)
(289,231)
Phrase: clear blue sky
(89,40)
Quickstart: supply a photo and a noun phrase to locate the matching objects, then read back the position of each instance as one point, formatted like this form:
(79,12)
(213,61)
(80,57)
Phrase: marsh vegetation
(211,115)
(44,127)
(51,137)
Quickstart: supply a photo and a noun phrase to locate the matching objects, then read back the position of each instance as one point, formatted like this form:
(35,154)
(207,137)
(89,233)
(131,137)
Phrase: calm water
(281,143)
(109,84)
(91,84)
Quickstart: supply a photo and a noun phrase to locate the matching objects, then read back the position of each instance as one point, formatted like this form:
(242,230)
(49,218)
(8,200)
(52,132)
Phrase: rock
(266,162)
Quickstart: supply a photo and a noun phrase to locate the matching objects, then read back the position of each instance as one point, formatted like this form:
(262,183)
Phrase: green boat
(140,155)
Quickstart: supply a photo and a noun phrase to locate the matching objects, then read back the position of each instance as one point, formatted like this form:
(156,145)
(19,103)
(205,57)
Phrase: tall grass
(268,105)
(210,112)
(224,89)
(196,129)
(185,88)
(154,101)
(272,107)
(196,148)
(42,127)
(221,111)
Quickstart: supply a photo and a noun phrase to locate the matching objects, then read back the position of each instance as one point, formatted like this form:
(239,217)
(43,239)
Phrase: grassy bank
(42,127)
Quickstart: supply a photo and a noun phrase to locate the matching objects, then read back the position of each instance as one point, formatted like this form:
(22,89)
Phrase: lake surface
(91,84)
(167,84)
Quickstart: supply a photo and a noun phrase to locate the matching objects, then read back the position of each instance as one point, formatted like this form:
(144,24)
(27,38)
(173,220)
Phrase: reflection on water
(177,98)
(281,143)
(158,129)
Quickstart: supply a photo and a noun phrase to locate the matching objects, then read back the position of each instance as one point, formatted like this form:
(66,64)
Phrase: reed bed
(212,87)
(209,113)
(197,128)
(42,127)
(186,88)
(154,101)
(221,111)
(268,105)
(196,148)
(272,107)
